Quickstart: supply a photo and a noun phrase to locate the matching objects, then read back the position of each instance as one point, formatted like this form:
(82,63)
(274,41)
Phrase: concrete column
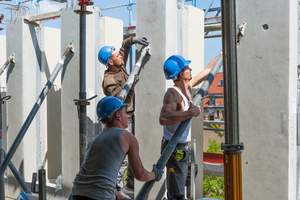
(51,117)
(23,85)
(70,84)
(193,49)
(169,28)
(3,59)
(267,60)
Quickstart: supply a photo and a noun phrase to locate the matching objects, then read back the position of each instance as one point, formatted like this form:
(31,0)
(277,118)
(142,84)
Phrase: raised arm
(131,146)
(168,114)
(203,74)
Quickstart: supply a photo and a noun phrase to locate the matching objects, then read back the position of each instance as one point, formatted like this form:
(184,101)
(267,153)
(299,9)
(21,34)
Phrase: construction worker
(114,80)
(177,107)
(98,174)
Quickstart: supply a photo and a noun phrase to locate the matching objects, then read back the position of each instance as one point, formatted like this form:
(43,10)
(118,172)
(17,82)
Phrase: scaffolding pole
(232,146)
(34,110)
(82,102)
(18,176)
(161,163)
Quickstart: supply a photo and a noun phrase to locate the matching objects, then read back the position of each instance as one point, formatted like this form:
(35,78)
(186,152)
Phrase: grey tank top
(98,174)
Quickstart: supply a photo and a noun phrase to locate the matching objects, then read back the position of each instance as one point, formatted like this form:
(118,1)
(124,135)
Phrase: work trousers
(176,170)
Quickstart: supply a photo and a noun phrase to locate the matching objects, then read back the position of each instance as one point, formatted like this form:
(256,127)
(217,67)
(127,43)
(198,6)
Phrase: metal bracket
(83,102)
(83,4)
(232,148)
(2,100)
(33,183)
(241,31)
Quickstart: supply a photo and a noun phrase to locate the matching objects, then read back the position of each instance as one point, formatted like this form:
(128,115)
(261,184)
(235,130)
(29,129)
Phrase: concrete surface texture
(70,83)
(267,75)
(171,29)
(23,83)
(3,59)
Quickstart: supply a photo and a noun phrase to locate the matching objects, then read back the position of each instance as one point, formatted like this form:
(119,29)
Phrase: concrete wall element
(70,83)
(267,60)
(51,117)
(3,59)
(22,85)
(193,49)
(170,30)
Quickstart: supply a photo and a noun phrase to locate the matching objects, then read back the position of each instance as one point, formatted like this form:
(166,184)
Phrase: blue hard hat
(173,65)
(107,106)
(104,54)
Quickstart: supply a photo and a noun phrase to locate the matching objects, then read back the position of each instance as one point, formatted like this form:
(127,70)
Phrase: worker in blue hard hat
(97,176)
(114,80)
(177,107)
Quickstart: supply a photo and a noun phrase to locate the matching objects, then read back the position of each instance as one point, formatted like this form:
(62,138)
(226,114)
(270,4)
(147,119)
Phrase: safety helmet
(104,54)
(107,106)
(173,65)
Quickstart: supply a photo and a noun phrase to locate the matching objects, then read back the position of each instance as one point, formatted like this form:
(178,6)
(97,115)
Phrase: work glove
(141,40)
(158,173)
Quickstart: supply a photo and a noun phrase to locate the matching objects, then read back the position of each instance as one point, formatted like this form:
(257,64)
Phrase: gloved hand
(158,173)
(141,40)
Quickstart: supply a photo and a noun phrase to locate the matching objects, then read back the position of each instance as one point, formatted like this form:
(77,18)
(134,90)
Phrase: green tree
(213,186)
(214,147)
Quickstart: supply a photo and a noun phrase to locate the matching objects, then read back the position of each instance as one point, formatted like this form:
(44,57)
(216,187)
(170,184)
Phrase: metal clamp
(83,102)
(83,4)
(232,148)
(2,100)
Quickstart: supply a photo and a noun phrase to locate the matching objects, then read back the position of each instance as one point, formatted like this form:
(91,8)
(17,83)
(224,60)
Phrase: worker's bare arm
(131,146)
(203,74)
(168,114)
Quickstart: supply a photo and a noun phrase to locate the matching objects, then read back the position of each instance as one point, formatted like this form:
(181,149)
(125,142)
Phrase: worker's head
(108,56)
(111,108)
(174,65)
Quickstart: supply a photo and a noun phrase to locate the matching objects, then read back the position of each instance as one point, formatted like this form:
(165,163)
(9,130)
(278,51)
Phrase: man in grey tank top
(177,107)
(98,174)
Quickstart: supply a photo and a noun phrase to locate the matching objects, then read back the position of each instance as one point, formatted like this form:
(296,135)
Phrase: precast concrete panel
(22,39)
(193,49)
(70,91)
(3,59)
(70,85)
(156,20)
(171,28)
(267,82)
(51,53)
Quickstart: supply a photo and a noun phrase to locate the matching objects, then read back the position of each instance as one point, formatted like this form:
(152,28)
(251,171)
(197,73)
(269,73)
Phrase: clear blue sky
(212,46)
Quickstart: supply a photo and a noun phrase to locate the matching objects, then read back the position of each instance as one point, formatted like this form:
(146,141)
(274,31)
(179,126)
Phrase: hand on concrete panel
(195,110)
(158,173)
(141,40)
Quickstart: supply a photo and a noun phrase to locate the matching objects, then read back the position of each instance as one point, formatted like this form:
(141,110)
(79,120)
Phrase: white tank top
(169,130)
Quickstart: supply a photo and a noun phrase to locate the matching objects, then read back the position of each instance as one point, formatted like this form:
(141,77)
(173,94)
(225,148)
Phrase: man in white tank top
(177,107)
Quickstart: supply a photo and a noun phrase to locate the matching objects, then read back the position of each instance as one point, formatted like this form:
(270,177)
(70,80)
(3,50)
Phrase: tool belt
(165,142)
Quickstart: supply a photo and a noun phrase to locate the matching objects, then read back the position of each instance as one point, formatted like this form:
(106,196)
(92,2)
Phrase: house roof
(215,87)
